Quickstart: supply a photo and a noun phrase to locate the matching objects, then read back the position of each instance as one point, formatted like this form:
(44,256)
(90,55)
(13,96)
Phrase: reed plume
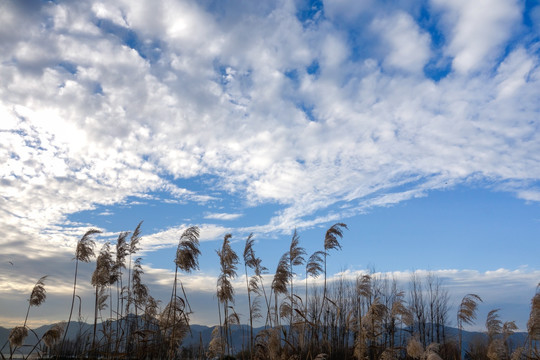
(187,253)
(279,282)
(466,314)
(496,350)
(37,297)
(533,324)
(84,252)
(132,248)
(249,261)
(399,309)
(281,276)
(363,286)
(85,246)
(52,335)
(414,348)
(296,258)
(17,336)
(101,278)
(186,259)
(333,234)
(331,242)
(517,353)
(216,347)
(150,309)
(389,354)
(140,290)
(314,265)
(174,328)
(508,328)
(493,324)
(228,261)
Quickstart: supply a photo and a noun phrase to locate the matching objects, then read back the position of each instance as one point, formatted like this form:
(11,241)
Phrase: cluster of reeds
(368,318)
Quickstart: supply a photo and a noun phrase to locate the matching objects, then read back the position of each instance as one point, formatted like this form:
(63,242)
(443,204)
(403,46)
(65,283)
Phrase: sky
(416,123)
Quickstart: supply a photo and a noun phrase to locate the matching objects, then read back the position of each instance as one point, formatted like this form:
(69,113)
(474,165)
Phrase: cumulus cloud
(478,30)
(409,48)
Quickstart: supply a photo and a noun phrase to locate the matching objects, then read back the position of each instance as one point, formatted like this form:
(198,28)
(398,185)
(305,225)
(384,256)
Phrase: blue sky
(416,123)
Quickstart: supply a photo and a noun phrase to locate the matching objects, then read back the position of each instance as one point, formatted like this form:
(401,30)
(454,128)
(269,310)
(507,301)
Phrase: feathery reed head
(122,249)
(363,286)
(175,307)
(433,356)
(285,309)
(314,264)
(249,253)
(135,238)
(150,310)
(234,318)
(389,354)
(496,350)
(225,290)
(467,309)
(38,295)
(187,253)
(102,298)
(227,258)
(415,348)
(332,234)
(85,246)
(216,347)
(52,335)
(508,328)
(281,277)
(533,324)
(296,253)
(399,309)
(517,354)
(17,336)
(103,274)
(493,323)
(254,285)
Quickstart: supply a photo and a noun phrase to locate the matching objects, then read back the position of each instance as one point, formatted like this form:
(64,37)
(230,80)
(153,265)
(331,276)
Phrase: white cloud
(222,216)
(408,46)
(477,30)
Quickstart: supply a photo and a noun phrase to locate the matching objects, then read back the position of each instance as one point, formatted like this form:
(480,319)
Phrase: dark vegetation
(370,318)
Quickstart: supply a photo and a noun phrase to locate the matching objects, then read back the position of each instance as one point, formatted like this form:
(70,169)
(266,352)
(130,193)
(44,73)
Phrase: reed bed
(368,319)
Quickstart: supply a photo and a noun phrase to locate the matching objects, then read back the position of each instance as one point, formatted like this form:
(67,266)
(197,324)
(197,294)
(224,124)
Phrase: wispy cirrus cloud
(222,216)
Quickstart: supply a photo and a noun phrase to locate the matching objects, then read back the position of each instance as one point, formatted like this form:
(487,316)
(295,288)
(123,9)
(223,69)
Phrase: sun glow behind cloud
(314,112)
